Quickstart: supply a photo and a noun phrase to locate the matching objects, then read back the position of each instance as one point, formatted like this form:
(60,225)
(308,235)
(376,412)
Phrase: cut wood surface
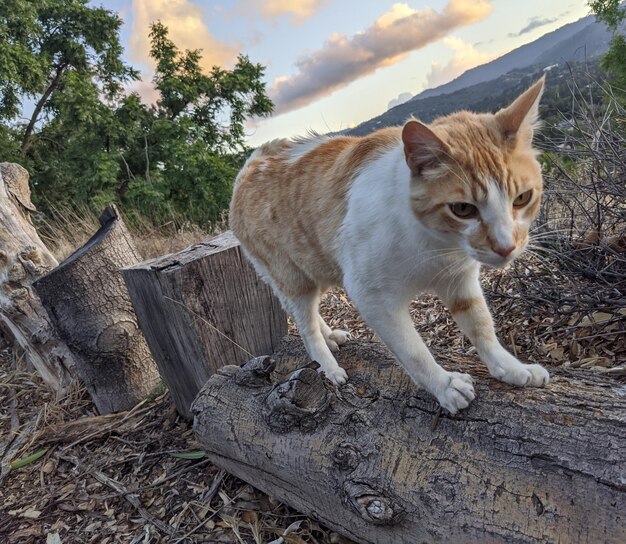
(374,460)
(91,309)
(23,259)
(203,308)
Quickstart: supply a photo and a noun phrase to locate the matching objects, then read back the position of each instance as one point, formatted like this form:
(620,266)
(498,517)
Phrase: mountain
(487,87)
(566,44)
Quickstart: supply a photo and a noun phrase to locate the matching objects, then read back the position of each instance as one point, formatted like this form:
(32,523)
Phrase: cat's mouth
(492,260)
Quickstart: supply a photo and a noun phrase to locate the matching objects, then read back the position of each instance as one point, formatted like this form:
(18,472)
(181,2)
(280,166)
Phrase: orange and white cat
(397,212)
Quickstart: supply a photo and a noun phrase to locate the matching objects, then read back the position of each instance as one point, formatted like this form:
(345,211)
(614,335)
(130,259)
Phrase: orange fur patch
(462,305)
(287,212)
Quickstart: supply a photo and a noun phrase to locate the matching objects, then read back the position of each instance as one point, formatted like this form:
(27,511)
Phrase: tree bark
(374,460)
(201,309)
(90,306)
(23,259)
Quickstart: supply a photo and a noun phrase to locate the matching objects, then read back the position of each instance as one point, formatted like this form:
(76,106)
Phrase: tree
(613,14)
(44,43)
(89,141)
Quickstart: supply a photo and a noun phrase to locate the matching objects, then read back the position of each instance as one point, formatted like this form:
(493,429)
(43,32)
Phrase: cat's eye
(464,210)
(523,199)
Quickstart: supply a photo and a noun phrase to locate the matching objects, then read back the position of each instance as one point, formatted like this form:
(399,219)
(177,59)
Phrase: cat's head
(475,179)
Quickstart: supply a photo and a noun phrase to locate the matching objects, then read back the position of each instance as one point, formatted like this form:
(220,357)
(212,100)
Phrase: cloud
(465,57)
(388,40)
(401,99)
(298,9)
(533,22)
(186,29)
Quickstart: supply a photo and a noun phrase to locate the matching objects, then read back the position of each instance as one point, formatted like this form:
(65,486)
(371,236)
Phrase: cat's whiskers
(442,274)
(454,276)
(431,253)
(440,254)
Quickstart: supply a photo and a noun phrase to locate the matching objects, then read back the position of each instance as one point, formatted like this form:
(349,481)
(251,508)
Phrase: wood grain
(201,309)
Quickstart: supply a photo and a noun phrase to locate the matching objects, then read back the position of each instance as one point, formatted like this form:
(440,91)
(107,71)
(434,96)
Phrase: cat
(400,211)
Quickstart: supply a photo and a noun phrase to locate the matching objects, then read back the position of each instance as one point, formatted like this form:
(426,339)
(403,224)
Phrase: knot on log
(359,392)
(116,337)
(357,423)
(256,372)
(347,456)
(33,261)
(372,505)
(300,402)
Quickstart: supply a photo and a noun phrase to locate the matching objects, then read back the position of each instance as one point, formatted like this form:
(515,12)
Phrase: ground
(119,478)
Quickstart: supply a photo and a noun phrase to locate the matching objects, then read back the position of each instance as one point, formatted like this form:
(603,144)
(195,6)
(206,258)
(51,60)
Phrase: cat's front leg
(390,319)
(468,307)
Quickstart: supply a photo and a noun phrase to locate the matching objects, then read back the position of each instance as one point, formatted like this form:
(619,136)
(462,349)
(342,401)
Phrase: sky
(333,64)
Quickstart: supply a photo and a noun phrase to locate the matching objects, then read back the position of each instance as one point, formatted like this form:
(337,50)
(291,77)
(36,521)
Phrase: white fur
(388,256)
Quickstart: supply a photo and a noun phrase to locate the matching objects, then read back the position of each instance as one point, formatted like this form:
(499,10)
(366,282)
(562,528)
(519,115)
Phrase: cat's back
(308,175)
(291,195)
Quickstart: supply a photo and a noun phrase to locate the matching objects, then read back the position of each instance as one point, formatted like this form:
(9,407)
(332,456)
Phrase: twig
(122,491)
(199,525)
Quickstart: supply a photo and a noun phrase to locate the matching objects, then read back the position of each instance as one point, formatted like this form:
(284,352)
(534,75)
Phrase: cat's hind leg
(300,298)
(303,308)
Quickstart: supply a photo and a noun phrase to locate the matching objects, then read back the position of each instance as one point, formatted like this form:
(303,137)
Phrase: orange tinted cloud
(465,57)
(298,9)
(388,40)
(186,29)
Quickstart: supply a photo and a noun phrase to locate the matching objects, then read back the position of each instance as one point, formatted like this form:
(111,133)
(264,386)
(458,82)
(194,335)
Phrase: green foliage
(609,12)
(613,14)
(88,142)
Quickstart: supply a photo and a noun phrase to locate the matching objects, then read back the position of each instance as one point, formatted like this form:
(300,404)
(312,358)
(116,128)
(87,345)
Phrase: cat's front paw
(336,374)
(509,370)
(457,393)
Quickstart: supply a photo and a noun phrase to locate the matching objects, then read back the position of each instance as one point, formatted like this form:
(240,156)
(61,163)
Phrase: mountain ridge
(576,44)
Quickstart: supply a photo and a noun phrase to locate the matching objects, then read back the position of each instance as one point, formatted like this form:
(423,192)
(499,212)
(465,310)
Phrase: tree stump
(201,309)
(376,460)
(91,309)
(23,259)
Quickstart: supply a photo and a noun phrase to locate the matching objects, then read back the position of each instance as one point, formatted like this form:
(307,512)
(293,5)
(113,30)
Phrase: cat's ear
(422,147)
(522,115)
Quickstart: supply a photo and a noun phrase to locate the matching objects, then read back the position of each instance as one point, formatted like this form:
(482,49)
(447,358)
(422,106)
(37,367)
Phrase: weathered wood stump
(23,259)
(375,462)
(203,308)
(91,309)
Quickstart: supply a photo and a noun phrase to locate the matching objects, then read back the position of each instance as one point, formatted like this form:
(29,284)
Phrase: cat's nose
(504,251)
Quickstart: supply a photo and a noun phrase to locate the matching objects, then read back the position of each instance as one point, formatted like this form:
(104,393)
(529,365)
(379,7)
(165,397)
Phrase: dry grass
(67,229)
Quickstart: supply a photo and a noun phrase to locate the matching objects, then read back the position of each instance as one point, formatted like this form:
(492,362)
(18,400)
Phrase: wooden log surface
(375,462)
(23,259)
(200,309)
(90,306)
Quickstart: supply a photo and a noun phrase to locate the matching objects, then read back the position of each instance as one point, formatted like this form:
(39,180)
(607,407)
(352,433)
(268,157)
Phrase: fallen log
(89,304)
(200,309)
(376,460)
(23,259)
